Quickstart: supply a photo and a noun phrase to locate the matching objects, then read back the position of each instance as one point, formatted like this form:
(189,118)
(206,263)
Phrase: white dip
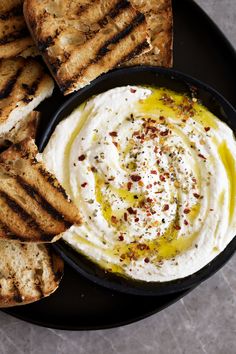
(153,174)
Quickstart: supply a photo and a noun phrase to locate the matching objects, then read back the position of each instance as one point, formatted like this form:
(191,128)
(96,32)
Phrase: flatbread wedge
(24,128)
(28,272)
(82,39)
(23,86)
(14,35)
(159,18)
(34,207)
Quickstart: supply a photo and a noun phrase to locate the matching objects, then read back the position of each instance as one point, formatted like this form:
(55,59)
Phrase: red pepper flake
(177,227)
(121,238)
(161,118)
(113,134)
(135,178)
(125,216)
(186,211)
(158,162)
(149,200)
(131,211)
(81,157)
(149,186)
(132,90)
(114,219)
(93,169)
(166,132)
(194,180)
(83,185)
(166,207)
(162,178)
(129,185)
(207,129)
(143,246)
(146,260)
(185,222)
(137,132)
(203,157)
(115,143)
(155,149)
(196,195)
(136,219)
(153,172)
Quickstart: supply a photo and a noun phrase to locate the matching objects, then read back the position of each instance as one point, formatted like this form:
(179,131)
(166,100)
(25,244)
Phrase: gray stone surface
(203,322)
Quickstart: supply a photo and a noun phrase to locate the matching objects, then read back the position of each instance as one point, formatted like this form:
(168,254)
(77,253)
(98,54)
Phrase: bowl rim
(88,268)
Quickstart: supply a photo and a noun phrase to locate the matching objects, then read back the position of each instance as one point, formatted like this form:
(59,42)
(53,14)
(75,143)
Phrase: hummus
(153,173)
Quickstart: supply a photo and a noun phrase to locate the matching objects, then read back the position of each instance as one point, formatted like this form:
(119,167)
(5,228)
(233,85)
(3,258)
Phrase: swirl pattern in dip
(153,173)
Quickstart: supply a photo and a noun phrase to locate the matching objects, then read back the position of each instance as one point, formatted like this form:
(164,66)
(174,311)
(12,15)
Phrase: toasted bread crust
(160,25)
(14,35)
(81,40)
(25,128)
(28,273)
(32,198)
(23,85)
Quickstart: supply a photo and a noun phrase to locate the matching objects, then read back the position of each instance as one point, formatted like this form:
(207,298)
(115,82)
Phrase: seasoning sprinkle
(81,157)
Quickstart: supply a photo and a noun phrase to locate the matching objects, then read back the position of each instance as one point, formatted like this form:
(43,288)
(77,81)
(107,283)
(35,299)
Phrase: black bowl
(158,77)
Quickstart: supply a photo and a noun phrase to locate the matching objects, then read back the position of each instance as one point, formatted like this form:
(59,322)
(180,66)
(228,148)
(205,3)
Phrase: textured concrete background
(203,322)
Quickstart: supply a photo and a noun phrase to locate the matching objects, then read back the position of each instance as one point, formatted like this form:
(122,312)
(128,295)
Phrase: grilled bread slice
(14,35)
(160,25)
(82,39)
(28,272)
(23,129)
(33,205)
(23,85)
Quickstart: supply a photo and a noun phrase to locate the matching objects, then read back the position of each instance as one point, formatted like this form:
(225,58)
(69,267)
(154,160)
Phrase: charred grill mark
(44,43)
(123,4)
(6,230)
(17,209)
(33,193)
(5,91)
(15,11)
(14,36)
(137,50)
(31,89)
(17,295)
(27,99)
(16,237)
(56,64)
(139,19)
(53,182)
(103,22)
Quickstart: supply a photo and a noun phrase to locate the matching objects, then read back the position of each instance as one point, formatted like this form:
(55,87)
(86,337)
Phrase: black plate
(201,51)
